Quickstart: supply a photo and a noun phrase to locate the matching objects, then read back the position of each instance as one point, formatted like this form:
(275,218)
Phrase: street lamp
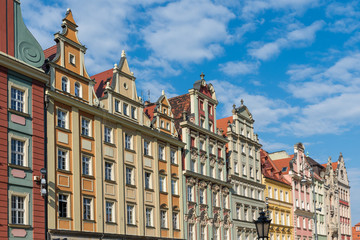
(262,226)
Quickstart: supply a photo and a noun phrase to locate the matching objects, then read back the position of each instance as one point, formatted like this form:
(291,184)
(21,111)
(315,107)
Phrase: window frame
(90,165)
(26,212)
(86,128)
(25,101)
(148,180)
(162,183)
(129,175)
(79,94)
(108,134)
(106,169)
(163,218)
(161,152)
(174,186)
(130,214)
(67,167)
(112,211)
(67,90)
(25,154)
(117,106)
(147,147)
(128,139)
(149,222)
(173,158)
(91,208)
(66,118)
(68,212)
(175,219)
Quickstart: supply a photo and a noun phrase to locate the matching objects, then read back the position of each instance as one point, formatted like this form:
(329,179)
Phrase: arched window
(77,89)
(65,84)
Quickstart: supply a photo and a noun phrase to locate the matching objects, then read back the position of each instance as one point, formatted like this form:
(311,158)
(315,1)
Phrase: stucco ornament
(216,220)
(191,181)
(203,184)
(204,217)
(190,217)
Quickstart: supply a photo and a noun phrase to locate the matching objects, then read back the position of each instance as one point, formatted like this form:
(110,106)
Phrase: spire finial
(242,102)
(307,153)
(123,54)
(202,75)
(163,92)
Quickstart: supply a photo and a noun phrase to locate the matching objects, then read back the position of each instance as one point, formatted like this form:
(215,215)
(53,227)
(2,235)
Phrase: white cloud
(300,37)
(239,68)
(253,7)
(342,9)
(187,31)
(345,25)
(271,146)
(266,111)
(301,72)
(354,178)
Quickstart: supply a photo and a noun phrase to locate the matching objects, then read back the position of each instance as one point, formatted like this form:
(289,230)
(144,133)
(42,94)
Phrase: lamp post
(262,226)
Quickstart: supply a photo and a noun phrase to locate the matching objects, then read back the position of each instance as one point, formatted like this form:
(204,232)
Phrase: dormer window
(167,126)
(77,89)
(117,106)
(65,84)
(71,59)
(164,110)
(133,112)
(125,109)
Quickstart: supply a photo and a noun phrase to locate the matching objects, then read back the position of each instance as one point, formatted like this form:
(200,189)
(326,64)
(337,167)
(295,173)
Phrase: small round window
(125,86)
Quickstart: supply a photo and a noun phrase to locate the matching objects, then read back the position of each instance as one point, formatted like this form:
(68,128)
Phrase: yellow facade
(280,209)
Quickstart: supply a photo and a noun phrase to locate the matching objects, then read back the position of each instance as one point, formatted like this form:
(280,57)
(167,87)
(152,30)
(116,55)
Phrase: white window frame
(25,102)
(26,206)
(174,186)
(173,158)
(25,154)
(90,173)
(112,203)
(133,112)
(117,106)
(147,147)
(148,181)
(175,218)
(162,183)
(202,232)
(72,59)
(163,218)
(66,158)
(67,204)
(91,205)
(126,109)
(190,193)
(191,231)
(66,118)
(129,175)
(86,128)
(201,196)
(80,89)
(149,217)
(67,84)
(161,152)
(130,214)
(106,177)
(108,134)
(128,141)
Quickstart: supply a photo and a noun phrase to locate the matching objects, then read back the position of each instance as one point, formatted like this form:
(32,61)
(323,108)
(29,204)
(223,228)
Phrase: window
(125,109)
(162,124)
(297,203)
(202,122)
(304,223)
(148,184)
(61,118)
(221,176)
(62,160)
(190,197)
(85,127)
(108,171)
(245,191)
(17,210)
(201,145)
(287,220)
(246,214)
(128,141)
(202,232)
(147,148)
(117,106)
(238,212)
(202,196)
(161,152)
(110,212)
(214,197)
(225,205)
(216,233)
(173,156)
(211,149)
(71,59)
(191,232)
(17,100)
(244,169)
(133,112)
(259,195)
(168,126)
(298,222)
(211,126)
(236,167)
(129,176)
(251,172)
(257,174)
(287,196)
(86,165)
(162,183)
(77,89)
(87,206)
(130,214)
(282,219)
(192,165)
(65,84)
(226,234)
(202,169)
(192,142)
(17,152)
(174,187)
(163,219)
(149,219)
(175,220)
(275,193)
(108,135)
(212,169)
(281,195)
(63,205)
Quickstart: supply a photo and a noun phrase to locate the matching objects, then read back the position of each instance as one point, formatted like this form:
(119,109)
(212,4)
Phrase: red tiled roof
(333,164)
(50,52)
(269,168)
(223,123)
(149,110)
(179,104)
(100,81)
(284,162)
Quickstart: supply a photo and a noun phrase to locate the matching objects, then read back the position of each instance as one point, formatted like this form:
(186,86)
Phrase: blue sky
(296,63)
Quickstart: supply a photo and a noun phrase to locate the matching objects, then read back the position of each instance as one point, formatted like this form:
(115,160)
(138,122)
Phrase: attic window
(125,86)
(164,110)
(71,59)
(284,169)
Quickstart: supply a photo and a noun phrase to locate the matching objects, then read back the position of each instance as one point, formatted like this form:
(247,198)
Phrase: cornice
(102,113)
(23,68)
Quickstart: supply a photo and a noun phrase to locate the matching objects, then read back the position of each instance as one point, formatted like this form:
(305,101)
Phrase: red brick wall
(38,151)
(3,155)
(7,26)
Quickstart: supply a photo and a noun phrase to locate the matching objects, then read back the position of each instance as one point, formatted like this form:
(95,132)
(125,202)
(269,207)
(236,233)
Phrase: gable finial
(67,11)
(163,92)
(123,54)
(242,102)
(202,75)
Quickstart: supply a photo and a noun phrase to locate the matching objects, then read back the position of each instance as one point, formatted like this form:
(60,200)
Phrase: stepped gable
(223,124)
(333,164)
(101,79)
(269,169)
(282,163)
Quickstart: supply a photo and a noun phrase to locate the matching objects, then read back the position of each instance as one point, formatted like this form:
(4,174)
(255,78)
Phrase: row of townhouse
(86,158)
